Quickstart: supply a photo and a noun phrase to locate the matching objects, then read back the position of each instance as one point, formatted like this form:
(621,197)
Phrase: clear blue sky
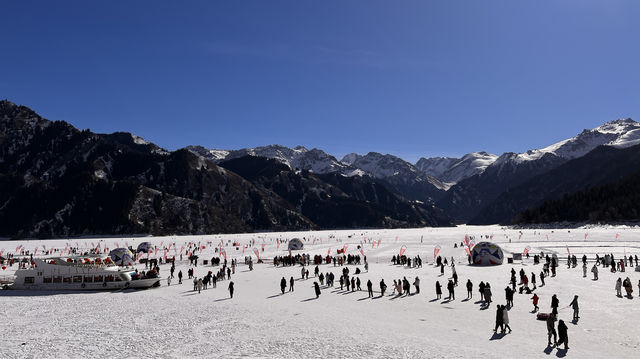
(411,78)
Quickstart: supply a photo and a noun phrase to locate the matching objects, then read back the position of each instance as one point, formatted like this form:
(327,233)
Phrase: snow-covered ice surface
(175,322)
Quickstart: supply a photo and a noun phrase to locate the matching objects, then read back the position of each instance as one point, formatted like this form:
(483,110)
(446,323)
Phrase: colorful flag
(402,250)
(436,249)
(526,250)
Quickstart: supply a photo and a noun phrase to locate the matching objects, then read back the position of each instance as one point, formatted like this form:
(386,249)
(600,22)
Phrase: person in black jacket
(383,287)
(469,289)
(317,288)
(283,284)
(451,287)
(438,290)
(370,288)
(231,289)
(562,334)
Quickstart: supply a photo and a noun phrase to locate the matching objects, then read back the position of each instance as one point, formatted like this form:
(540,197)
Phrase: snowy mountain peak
(619,133)
(350,158)
(298,157)
(452,170)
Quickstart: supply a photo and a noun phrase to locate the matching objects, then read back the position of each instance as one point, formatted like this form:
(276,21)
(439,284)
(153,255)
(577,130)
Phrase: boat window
(57,279)
(66,279)
(97,278)
(29,280)
(47,280)
(88,279)
(77,279)
(108,278)
(118,279)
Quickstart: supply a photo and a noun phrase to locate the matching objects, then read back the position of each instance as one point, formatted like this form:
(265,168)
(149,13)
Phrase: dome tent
(295,244)
(487,254)
(144,247)
(122,256)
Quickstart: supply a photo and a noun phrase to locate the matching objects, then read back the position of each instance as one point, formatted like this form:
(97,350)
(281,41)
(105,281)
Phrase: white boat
(67,274)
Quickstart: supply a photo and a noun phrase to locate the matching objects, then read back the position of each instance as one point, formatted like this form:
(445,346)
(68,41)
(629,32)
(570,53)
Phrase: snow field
(175,322)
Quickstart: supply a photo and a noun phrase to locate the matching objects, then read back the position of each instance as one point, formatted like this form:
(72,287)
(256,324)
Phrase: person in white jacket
(505,319)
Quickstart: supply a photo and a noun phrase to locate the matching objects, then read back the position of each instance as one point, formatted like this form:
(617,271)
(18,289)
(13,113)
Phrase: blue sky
(410,78)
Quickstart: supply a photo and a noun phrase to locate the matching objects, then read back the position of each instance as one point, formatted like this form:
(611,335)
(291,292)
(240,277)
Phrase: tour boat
(69,274)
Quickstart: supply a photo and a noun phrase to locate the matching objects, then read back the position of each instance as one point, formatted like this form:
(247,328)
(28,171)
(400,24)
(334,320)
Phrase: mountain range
(59,181)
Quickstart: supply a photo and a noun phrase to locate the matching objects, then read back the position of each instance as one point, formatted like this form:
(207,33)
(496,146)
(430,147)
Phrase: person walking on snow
(416,284)
(199,285)
(594,270)
(231,289)
(576,308)
(469,289)
(370,288)
(439,290)
(505,319)
(535,302)
(562,334)
(551,330)
(317,289)
(291,281)
(283,284)
(619,287)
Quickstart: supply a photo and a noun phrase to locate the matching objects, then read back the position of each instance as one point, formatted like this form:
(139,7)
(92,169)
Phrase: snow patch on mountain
(453,170)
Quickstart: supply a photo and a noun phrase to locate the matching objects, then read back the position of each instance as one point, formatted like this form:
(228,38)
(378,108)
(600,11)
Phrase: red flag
(526,250)
(436,249)
(257,253)
(344,249)
(243,248)
(361,252)
(402,250)
(379,241)
(568,250)
(224,253)
(329,252)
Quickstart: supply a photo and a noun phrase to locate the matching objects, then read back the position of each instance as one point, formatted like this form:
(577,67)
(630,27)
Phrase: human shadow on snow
(497,336)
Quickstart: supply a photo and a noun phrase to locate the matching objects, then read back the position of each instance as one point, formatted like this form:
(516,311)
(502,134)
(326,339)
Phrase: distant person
(469,289)
(283,285)
(317,289)
(439,290)
(576,308)
(231,289)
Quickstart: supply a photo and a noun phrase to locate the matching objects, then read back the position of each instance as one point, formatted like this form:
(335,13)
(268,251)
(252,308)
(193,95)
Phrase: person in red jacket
(535,302)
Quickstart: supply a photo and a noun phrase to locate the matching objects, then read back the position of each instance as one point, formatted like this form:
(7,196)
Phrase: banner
(436,250)
(568,250)
(466,249)
(361,252)
(471,244)
(379,241)
(243,248)
(526,250)
(617,235)
(344,249)
(585,235)
(223,252)
(466,240)
(257,253)
(402,250)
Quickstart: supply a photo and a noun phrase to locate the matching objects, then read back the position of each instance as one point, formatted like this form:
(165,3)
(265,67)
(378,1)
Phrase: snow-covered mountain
(403,176)
(452,170)
(469,197)
(620,133)
(299,157)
